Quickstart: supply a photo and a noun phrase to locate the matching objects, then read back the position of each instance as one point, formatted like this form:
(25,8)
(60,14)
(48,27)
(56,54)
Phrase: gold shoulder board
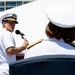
(73,44)
(34,43)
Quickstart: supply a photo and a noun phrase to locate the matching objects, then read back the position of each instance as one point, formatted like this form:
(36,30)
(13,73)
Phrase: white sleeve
(8,40)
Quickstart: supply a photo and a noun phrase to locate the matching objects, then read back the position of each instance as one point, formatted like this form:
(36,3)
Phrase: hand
(25,43)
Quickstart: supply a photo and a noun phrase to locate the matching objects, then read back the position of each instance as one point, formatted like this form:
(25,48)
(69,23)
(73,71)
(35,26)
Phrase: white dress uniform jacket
(6,40)
(50,47)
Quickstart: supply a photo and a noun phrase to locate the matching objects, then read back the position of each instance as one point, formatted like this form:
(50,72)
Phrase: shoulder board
(72,44)
(34,43)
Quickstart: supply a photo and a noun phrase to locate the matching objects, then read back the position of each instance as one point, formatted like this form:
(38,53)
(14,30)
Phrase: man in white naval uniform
(60,32)
(8,49)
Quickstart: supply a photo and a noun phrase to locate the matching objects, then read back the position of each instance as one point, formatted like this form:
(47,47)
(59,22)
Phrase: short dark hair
(67,34)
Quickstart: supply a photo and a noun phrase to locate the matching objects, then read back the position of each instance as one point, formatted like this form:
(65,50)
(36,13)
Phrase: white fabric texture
(50,47)
(6,40)
(61,14)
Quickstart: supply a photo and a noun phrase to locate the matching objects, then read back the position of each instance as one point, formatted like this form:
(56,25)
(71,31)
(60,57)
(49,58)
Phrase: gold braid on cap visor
(10,19)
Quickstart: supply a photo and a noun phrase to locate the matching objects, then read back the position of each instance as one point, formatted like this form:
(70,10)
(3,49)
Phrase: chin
(11,30)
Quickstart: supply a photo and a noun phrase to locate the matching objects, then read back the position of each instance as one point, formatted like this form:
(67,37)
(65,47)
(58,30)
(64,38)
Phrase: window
(11,3)
(19,3)
(1,3)
(26,2)
(1,9)
(5,5)
(8,8)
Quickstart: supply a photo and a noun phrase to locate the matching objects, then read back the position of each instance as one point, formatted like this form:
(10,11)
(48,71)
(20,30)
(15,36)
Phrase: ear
(3,23)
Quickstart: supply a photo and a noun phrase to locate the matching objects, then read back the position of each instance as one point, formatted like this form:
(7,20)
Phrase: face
(9,25)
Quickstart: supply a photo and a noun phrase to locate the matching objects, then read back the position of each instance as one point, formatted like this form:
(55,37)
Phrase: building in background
(8,4)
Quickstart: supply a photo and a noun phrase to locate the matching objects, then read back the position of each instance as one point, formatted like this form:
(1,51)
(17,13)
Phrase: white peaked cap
(12,15)
(61,14)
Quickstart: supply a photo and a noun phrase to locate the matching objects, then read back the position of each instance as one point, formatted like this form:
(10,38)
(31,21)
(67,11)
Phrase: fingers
(26,41)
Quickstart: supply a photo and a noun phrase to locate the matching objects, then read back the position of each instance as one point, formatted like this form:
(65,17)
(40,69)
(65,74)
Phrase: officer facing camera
(8,49)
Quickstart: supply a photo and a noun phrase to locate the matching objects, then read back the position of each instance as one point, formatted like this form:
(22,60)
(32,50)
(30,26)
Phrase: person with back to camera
(60,32)
(8,49)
